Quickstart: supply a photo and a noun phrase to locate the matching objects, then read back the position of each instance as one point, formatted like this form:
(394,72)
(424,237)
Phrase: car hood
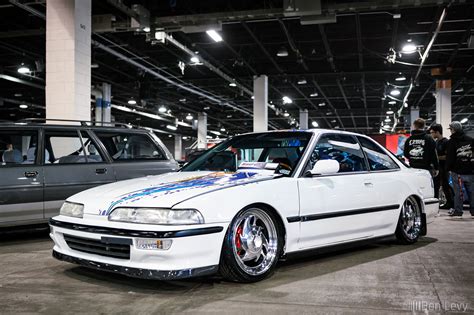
(162,191)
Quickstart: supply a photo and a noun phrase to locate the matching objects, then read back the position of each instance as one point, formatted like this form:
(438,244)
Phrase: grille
(97,247)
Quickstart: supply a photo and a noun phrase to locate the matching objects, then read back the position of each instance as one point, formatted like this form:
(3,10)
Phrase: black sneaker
(455,214)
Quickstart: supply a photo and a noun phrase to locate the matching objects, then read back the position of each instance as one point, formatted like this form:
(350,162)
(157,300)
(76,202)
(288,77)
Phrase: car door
(338,207)
(73,164)
(135,153)
(21,180)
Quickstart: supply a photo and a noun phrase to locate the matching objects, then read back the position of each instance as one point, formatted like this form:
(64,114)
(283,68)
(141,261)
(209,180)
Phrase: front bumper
(195,250)
(138,272)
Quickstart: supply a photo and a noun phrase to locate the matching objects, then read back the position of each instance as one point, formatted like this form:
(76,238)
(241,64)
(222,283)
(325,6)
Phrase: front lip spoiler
(149,274)
(135,233)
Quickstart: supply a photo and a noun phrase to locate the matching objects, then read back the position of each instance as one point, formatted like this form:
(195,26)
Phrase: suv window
(70,147)
(377,158)
(18,147)
(343,148)
(126,146)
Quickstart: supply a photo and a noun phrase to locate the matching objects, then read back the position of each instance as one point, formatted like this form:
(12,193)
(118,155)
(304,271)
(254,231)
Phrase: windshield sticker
(213,179)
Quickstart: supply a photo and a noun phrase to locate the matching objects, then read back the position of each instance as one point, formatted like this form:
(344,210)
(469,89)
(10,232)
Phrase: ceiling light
(395,92)
(23,69)
(390,112)
(253,97)
(328,113)
(194,59)
(387,120)
(171,127)
(459,90)
(315,124)
(189,117)
(392,102)
(333,121)
(132,102)
(287,100)
(400,77)
(94,65)
(286,114)
(302,81)
(214,35)
(464,120)
(386,126)
(18,95)
(322,104)
(24,106)
(223,129)
(228,116)
(315,94)
(409,48)
(215,132)
(207,108)
(162,109)
(146,29)
(406,105)
(232,84)
(282,52)
(182,100)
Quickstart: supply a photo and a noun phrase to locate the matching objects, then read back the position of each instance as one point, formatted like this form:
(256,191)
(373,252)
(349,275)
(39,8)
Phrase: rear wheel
(409,223)
(252,246)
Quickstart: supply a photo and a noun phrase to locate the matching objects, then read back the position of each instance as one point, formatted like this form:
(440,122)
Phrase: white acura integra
(244,204)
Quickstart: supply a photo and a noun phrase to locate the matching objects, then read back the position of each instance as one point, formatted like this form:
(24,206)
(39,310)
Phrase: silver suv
(43,164)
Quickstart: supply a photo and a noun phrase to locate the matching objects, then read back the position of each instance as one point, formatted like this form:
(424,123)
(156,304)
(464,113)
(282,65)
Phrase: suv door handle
(368,184)
(31,174)
(101,171)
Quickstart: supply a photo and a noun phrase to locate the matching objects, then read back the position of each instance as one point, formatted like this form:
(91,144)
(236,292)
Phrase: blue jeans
(460,195)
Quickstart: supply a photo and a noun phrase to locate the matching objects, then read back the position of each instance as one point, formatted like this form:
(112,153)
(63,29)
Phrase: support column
(443,103)
(303,119)
(414,115)
(107,95)
(202,131)
(178,147)
(68,59)
(260,102)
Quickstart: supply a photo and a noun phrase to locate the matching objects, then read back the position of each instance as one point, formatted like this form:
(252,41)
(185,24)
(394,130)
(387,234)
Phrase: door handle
(101,171)
(368,184)
(31,174)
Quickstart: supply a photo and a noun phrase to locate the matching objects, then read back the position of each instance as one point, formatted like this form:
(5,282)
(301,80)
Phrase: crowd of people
(450,162)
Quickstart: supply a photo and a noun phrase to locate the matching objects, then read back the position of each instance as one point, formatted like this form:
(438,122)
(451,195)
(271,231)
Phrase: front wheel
(409,223)
(252,246)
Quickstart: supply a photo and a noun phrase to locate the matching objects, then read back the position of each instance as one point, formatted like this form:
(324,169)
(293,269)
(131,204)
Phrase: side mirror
(325,167)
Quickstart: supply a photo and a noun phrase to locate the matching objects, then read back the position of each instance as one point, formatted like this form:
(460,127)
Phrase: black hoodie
(459,156)
(420,150)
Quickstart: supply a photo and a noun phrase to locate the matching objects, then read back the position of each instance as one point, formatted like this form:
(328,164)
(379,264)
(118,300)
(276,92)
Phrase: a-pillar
(443,103)
(178,147)
(202,131)
(260,103)
(68,59)
(303,119)
(414,115)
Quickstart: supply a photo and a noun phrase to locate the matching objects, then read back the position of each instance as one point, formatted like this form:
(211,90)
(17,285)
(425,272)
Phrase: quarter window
(341,148)
(18,147)
(377,158)
(124,146)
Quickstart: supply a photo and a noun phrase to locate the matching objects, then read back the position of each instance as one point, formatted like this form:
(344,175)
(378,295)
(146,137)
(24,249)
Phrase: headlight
(71,209)
(156,216)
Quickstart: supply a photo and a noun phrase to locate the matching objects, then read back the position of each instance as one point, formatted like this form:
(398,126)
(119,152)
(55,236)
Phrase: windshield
(279,151)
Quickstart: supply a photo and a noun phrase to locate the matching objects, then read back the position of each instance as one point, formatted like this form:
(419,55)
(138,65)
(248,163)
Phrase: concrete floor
(437,273)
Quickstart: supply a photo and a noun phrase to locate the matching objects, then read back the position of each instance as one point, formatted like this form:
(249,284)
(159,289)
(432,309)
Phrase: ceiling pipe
(423,59)
(17,80)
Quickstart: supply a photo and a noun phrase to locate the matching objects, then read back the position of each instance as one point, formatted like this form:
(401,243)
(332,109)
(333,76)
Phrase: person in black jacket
(442,180)
(460,164)
(420,149)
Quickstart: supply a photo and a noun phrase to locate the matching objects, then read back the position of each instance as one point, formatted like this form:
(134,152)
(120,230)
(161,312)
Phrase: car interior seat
(12,157)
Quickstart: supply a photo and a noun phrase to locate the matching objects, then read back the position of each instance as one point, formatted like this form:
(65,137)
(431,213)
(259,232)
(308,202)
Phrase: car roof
(21,124)
(316,131)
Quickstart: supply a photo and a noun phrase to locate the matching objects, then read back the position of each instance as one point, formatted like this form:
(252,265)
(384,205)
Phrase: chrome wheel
(255,241)
(411,219)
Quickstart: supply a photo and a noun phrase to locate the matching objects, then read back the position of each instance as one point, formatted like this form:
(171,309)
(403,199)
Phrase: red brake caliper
(238,242)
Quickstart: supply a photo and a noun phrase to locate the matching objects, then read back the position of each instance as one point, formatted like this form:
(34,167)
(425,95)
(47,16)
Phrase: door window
(377,158)
(18,147)
(70,147)
(127,146)
(342,148)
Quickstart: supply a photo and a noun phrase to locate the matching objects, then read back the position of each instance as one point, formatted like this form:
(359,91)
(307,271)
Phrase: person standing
(460,164)
(420,149)
(436,131)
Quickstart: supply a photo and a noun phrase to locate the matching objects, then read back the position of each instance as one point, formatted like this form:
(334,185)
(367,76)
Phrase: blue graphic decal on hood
(213,179)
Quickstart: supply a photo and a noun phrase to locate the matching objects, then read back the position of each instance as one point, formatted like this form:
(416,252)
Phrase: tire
(252,246)
(410,223)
